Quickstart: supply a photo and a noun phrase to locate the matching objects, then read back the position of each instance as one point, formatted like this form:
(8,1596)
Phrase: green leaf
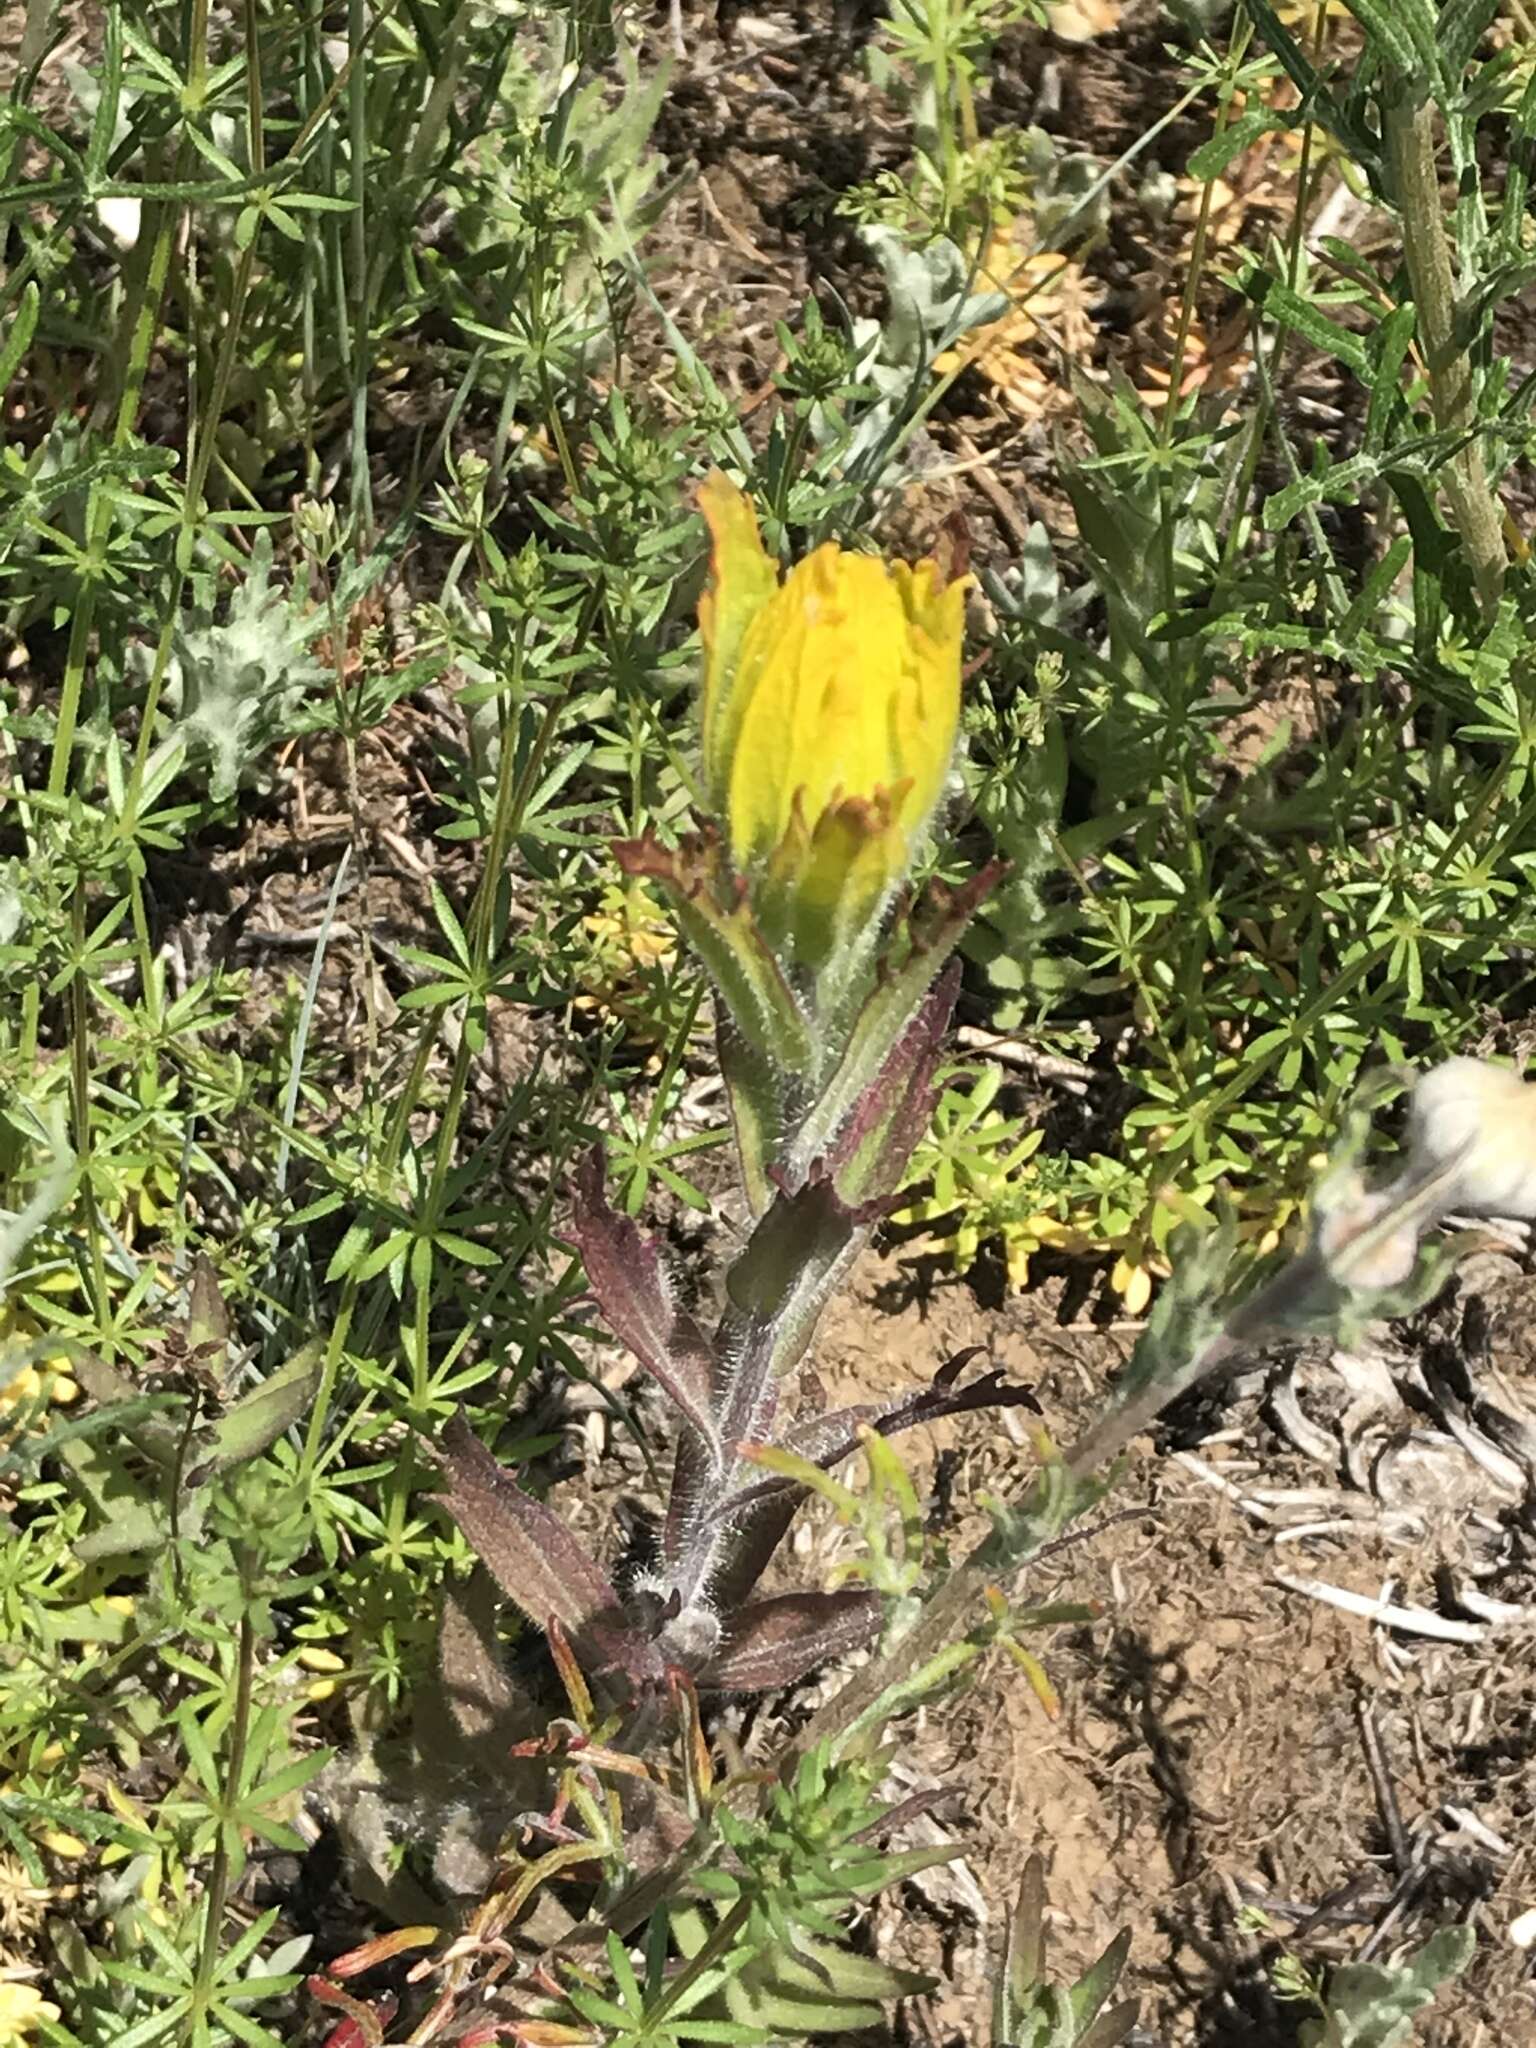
(449,925)
(240,684)
(1290,309)
(1212,158)
(465,1250)
(1522,148)
(255,1423)
(19,340)
(1403,32)
(1459,31)
(354,1243)
(1391,342)
(1372,2006)
(1328,482)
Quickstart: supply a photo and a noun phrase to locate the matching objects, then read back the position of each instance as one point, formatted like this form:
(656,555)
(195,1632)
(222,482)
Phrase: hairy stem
(1408,118)
(218,1875)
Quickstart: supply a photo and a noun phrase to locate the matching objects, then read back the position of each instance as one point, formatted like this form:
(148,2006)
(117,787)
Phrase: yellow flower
(25,1385)
(22,2007)
(831,703)
(1132,1281)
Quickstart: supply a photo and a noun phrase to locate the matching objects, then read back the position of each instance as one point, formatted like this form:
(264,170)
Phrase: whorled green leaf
(823,1989)
(19,340)
(1279,303)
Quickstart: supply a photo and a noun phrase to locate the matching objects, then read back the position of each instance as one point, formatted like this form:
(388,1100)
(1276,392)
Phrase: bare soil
(1214,1746)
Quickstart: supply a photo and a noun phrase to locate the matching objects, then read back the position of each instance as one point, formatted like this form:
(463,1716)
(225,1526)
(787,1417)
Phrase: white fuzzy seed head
(1482,1119)
(1388,1264)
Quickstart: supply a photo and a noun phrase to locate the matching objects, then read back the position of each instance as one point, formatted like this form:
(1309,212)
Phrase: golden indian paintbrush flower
(831,704)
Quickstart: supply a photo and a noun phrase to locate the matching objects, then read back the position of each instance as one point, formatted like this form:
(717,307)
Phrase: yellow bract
(831,703)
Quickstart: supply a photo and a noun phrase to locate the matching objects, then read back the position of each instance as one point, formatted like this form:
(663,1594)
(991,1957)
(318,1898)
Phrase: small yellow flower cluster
(315,1657)
(26,1382)
(23,1904)
(25,1378)
(23,2008)
(633,944)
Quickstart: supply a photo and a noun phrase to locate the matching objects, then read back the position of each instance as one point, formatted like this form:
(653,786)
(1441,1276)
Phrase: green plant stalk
(1178,655)
(715,1948)
(202,453)
(943,111)
(336,1343)
(357,174)
(1259,425)
(80,1102)
(35,32)
(1408,122)
(145,319)
(218,1875)
(511,802)
(1191,297)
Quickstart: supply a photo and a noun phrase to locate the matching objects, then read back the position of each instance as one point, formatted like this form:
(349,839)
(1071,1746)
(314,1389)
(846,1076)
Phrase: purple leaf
(476,1690)
(525,1547)
(774,1642)
(827,1439)
(873,1147)
(625,1273)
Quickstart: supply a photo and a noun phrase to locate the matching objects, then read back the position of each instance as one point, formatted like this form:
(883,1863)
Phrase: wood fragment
(1418,1621)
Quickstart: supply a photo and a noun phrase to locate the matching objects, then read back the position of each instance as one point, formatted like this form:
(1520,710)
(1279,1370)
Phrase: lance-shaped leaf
(535,1559)
(775,1293)
(887,1121)
(931,934)
(256,1422)
(774,1642)
(626,1275)
(757,1112)
(717,921)
(207,1312)
(142,1422)
(827,1439)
